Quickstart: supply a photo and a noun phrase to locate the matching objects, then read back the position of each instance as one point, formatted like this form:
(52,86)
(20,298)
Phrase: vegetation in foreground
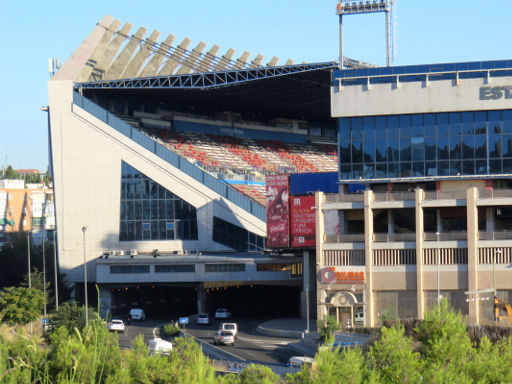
(439,352)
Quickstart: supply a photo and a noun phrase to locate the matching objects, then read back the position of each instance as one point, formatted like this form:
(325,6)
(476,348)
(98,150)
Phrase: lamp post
(84,228)
(438,279)
(29,274)
(44,275)
(55,270)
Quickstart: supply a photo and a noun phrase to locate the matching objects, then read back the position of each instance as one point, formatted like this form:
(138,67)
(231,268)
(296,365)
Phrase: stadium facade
(428,149)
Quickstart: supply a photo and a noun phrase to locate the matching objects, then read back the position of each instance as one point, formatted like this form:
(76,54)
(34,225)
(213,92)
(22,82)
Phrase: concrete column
(420,293)
(320,291)
(391,226)
(438,220)
(472,221)
(489,219)
(200,298)
(105,302)
(306,284)
(368,242)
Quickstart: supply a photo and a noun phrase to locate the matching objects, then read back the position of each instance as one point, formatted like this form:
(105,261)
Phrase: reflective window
(150,212)
(236,237)
(442,144)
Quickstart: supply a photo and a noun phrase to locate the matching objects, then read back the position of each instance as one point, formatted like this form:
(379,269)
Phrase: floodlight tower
(347,7)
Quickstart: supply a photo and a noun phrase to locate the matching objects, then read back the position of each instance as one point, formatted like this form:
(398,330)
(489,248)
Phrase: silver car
(224,337)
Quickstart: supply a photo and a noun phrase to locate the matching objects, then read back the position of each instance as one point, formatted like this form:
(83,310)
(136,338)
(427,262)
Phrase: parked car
(359,319)
(224,337)
(231,327)
(222,313)
(203,319)
(300,361)
(116,325)
(137,314)
(158,345)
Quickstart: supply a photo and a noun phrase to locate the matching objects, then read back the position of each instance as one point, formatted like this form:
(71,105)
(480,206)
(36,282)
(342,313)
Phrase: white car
(222,313)
(231,327)
(300,361)
(158,345)
(116,325)
(203,319)
(137,314)
(224,337)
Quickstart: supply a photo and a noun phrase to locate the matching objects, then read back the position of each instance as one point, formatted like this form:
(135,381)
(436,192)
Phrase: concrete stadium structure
(430,147)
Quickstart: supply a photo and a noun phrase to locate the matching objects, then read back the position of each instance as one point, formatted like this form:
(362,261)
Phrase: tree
(20,305)
(327,327)
(72,316)
(259,374)
(37,282)
(10,174)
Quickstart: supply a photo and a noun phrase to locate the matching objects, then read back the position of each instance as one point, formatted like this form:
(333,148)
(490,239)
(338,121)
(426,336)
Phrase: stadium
(161,155)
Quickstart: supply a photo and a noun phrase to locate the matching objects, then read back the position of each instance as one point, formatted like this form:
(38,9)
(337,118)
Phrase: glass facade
(236,237)
(151,212)
(425,145)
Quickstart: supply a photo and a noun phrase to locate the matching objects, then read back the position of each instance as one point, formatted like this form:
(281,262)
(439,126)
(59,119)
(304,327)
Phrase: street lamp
(84,228)
(438,280)
(44,275)
(29,274)
(55,270)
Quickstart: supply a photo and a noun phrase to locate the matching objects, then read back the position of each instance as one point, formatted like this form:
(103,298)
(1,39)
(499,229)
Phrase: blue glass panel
(146,209)
(369,151)
(507,145)
(443,168)
(480,146)
(344,128)
(357,152)
(346,172)
(418,128)
(381,150)
(507,165)
(344,152)
(494,121)
(380,127)
(405,126)
(369,128)
(138,210)
(494,145)
(455,147)
(393,127)
(393,150)
(429,121)
(405,149)
(480,122)
(468,123)
(430,148)
(468,147)
(430,168)
(468,167)
(454,120)
(357,171)
(369,171)
(405,169)
(381,171)
(481,167)
(418,148)
(495,167)
(130,210)
(443,127)
(393,170)
(506,117)
(455,168)
(418,169)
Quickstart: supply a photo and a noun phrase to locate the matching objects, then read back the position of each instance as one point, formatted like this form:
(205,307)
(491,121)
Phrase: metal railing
(445,195)
(344,238)
(394,196)
(492,193)
(385,237)
(344,198)
(445,236)
(151,145)
(497,235)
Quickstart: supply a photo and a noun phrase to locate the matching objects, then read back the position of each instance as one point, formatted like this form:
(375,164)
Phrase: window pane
(506,121)
(405,126)
(480,146)
(481,167)
(430,148)
(357,152)
(369,128)
(369,151)
(357,128)
(380,127)
(405,149)
(442,125)
(380,150)
(344,128)
(468,146)
(494,145)
(418,148)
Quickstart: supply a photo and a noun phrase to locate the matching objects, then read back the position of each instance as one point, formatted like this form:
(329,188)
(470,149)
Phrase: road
(249,346)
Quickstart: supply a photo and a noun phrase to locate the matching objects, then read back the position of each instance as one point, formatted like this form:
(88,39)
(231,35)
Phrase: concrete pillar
(472,222)
(200,298)
(134,66)
(438,221)
(420,293)
(306,285)
(391,224)
(156,60)
(320,291)
(175,59)
(105,302)
(368,243)
(489,219)
(124,58)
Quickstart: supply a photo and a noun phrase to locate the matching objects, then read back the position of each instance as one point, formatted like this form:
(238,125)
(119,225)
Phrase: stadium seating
(244,159)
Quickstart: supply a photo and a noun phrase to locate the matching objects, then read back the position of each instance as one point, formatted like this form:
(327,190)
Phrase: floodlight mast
(347,7)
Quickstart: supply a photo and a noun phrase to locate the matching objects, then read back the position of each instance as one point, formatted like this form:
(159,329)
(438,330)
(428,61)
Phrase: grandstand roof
(137,67)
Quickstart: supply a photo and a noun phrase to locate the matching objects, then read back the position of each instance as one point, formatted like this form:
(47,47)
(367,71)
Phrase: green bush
(327,327)
(170,330)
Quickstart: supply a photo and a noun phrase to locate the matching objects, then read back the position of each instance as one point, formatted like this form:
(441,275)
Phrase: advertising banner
(277,211)
(303,221)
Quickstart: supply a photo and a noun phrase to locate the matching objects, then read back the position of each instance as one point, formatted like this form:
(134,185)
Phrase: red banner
(277,211)
(303,221)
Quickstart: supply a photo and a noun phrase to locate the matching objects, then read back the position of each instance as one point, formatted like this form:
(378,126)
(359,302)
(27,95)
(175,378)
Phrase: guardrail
(172,158)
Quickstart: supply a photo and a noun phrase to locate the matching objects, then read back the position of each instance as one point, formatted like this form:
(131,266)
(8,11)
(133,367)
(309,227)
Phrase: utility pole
(55,269)
(84,228)
(44,276)
(29,274)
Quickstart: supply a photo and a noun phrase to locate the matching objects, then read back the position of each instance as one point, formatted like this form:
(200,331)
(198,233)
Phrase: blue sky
(427,32)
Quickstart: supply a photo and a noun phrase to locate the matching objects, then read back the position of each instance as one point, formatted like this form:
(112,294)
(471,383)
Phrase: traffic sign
(183,320)
(45,321)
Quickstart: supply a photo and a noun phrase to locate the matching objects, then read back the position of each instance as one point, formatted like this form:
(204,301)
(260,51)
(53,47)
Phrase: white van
(158,345)
(299,361)
(137,314)
(359,319)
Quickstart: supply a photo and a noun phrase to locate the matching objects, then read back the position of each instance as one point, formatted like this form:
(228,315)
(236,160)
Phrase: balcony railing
(498,235)
(386,237)
(446,236)
(344,198)
(492,193)
(344,238)
(445,195)
(394,196)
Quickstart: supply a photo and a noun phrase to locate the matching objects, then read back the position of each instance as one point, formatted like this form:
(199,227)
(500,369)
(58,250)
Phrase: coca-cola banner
(303,218)
(277,211)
